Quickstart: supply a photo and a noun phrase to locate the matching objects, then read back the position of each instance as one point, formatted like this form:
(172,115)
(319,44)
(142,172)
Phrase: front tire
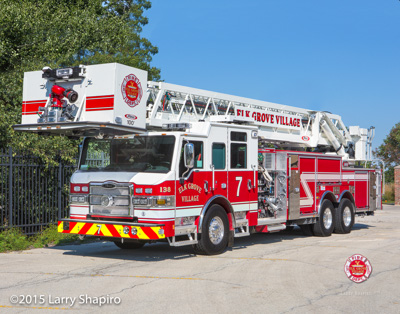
(129,245)
(215,232)
(326,221)
(345,216)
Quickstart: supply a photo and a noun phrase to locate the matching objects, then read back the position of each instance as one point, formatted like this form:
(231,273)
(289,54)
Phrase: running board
(276,228)
(242,228)
(270,221)
(184,231)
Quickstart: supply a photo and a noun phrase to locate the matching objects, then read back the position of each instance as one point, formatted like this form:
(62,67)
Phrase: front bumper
(112,229)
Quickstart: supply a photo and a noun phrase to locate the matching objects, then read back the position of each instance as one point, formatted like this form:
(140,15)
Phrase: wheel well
(225,204)
(349,196)
(328,195)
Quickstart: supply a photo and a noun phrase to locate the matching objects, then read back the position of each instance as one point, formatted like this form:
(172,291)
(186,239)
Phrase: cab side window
(218,155)
(238,150)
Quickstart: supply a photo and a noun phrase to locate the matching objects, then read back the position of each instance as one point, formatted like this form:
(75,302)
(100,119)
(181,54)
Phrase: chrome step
(183,230)
(276,227)
(188,231)
(242,228)
(181,243)
(270,221)
(241,223)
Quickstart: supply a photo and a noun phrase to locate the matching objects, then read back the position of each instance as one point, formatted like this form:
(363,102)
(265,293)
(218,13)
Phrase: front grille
(117,200)
(111,199)
(117,190)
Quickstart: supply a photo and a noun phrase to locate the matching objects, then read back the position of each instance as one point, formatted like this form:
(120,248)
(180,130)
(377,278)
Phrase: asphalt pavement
(284,272)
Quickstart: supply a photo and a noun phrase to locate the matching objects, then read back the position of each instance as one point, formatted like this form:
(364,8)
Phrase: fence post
(397,185)
(10,188)
(60,181)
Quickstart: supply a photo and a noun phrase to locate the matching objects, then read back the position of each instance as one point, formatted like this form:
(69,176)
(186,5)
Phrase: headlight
(154,201)
(136,201)
(184,221)
(78,199)
(81,199)
(60,73)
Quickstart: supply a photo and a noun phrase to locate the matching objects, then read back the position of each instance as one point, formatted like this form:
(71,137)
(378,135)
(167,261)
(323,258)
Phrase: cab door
(240,173)
(218,164)
(191,193)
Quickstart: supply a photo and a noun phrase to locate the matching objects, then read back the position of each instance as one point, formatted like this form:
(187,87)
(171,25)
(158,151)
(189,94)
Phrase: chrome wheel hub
(327,218)
(216,230)
(347,216)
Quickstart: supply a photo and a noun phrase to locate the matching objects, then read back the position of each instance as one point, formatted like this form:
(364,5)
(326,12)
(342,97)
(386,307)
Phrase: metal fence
(98,159)
(32,195)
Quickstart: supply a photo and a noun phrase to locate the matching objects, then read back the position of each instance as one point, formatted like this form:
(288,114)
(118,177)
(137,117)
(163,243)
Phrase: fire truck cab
(163,162)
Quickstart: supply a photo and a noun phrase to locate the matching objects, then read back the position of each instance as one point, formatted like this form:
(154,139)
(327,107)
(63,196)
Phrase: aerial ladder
(312,129)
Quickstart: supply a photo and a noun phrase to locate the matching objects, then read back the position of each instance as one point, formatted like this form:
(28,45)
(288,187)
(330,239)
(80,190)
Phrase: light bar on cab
(72,73)
(176,126)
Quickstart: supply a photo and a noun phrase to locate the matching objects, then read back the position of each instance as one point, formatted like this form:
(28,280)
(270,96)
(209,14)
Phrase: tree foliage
(389,151)
(58,33)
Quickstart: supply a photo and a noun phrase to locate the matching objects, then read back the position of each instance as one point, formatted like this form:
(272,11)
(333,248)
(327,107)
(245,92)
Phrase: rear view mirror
(188,153)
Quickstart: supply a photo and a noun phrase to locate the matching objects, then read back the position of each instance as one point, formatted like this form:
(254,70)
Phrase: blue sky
(341,56)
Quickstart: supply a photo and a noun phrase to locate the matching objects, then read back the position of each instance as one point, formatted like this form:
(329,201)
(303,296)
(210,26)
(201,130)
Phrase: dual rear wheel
(331,219)
(345,216)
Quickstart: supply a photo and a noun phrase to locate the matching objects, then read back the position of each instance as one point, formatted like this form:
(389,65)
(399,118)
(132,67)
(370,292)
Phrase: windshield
(138,154)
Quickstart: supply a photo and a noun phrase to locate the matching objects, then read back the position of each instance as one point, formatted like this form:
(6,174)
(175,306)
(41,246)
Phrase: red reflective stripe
(100,109)
(100,103)
(32,107)
(85,228)
(71,226)
(100,97)
(113,231)
(150,233)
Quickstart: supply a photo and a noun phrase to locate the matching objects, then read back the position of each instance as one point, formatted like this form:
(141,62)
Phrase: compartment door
(307,169)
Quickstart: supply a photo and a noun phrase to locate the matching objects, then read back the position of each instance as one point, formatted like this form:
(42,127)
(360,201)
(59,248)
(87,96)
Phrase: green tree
(57,33)
(389,152)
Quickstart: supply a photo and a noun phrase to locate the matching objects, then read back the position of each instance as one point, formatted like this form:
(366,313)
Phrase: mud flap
(231,238)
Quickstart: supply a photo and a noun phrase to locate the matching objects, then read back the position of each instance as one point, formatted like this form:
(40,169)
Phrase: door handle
(249,184)
(213,177)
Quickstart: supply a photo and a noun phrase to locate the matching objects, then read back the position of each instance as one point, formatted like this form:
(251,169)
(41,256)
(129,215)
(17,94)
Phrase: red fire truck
(163,162)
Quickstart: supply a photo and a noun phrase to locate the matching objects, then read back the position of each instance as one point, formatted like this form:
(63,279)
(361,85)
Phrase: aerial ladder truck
(164,162)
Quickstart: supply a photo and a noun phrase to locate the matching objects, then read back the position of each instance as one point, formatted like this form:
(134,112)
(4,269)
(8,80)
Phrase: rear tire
(326,220)
(345,216)
(213,238)
(129,245)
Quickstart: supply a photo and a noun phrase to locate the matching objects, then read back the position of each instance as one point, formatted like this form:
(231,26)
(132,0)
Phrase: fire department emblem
(131,90)
(358,268)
